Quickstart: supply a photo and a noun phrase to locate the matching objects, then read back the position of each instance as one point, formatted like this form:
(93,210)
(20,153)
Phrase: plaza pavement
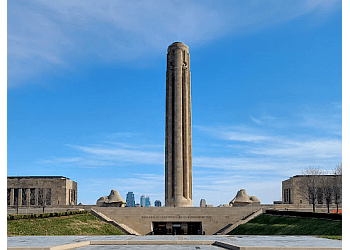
(164,242)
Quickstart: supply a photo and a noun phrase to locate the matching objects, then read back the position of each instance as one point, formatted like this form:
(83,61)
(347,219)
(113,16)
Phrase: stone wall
(40,190)
(212,218)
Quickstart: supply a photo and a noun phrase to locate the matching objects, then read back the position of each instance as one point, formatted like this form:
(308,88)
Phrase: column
(19,196)
(12,197)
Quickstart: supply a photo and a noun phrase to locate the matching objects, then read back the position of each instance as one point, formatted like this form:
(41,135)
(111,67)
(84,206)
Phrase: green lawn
(277,225)
(83,224)
(331,237)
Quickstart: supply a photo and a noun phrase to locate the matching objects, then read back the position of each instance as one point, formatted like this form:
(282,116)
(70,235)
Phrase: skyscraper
(157,203)
(130,199)
(178,135)
(148,202)
(144,201)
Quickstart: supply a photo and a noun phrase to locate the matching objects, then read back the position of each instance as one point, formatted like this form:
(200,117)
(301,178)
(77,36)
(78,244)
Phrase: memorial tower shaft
(178,135)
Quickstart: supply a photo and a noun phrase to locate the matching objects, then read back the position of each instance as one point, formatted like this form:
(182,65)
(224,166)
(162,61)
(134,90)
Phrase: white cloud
(296,146)
(107,155)
(123,155)
(35,43)
(318,148)
(255,120)
(237,136)
(327,119)
(43,34)
(232,163)
(234,133)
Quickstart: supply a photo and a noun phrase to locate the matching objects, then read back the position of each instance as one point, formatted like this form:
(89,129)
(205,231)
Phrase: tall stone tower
(178,135)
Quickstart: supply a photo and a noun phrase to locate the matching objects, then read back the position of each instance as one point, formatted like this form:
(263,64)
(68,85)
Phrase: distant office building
(157,203)
(130,199)
(144,201)
(203,203)
(28,191)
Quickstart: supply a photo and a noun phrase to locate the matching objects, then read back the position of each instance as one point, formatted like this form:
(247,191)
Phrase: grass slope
(277,225)
(85,224)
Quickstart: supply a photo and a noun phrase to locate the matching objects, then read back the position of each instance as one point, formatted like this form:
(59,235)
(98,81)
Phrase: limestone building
(178,135)
(31,191)
(294,190)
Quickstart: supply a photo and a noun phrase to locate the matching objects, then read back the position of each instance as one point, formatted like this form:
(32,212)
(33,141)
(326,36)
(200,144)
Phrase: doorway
(177,228)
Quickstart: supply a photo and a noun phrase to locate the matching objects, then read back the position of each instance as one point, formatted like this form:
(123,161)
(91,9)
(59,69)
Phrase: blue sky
(86,93)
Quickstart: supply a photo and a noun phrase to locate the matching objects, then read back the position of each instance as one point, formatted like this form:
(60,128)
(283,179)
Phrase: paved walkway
(169,242)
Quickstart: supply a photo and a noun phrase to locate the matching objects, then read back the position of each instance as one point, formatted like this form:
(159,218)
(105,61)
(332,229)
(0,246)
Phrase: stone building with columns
(34,191)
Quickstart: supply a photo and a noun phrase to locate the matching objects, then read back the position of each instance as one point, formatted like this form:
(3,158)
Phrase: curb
(168,242)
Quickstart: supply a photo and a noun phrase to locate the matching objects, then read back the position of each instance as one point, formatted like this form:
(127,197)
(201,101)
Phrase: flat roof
(28,177)
(315,175)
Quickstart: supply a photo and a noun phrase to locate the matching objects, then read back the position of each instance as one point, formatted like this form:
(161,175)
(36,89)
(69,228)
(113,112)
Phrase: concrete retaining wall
(212,218)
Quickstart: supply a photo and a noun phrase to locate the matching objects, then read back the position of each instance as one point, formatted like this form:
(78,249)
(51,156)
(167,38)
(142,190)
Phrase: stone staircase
(119,225)
(229,227)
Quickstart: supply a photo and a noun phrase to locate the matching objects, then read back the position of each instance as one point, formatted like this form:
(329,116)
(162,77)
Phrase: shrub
(44,215)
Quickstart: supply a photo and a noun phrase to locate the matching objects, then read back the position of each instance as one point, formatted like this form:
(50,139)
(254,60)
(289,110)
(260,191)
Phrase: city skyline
(86,93)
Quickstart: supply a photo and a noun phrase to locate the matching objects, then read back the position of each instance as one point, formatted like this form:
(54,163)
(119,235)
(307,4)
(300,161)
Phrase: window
(319,195)
(40,197)
(16,196)
(285,196)
(311,196)
(289,196)
(24,197)
(8,197)
(32,196)
(48,196)
(71,196)
(336,195)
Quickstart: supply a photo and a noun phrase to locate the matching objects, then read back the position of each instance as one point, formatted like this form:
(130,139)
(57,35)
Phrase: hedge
(305,214)
(43,215)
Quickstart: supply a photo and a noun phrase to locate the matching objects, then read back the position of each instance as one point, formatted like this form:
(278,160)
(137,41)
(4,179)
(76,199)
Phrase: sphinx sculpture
(112,200)
(242,198)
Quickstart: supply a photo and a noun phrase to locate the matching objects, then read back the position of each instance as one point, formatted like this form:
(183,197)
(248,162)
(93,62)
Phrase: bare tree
(337,185)
(319,186)
(328,184)
(338,169)
(311,184)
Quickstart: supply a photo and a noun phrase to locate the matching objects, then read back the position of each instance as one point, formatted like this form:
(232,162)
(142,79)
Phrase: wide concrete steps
(119,225)
(229,227)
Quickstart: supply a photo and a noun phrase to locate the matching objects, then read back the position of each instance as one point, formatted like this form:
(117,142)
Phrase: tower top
(178,45)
